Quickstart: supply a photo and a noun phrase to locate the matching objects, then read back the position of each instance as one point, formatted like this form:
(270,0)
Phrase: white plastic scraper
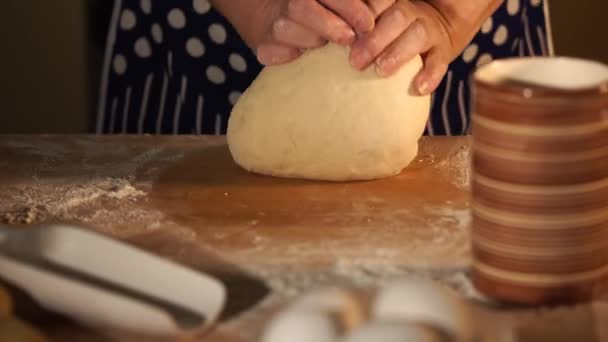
(105,283)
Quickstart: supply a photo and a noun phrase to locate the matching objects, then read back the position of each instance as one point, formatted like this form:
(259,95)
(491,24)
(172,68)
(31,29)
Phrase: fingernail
(363,25)
(423,88)
(263,57)
(267,57)
(384,65)
(346,37)
(360,58)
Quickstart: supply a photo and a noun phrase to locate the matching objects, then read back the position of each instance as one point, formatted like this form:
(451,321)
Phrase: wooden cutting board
(267,239)
(242,212)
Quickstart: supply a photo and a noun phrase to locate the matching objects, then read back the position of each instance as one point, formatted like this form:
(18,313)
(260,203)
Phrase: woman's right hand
(280,30)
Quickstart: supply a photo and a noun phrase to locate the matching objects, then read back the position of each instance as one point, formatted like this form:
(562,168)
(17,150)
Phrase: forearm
(242,14)
(464,18)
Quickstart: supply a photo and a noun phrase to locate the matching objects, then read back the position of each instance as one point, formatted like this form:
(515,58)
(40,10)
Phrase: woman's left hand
(438,30)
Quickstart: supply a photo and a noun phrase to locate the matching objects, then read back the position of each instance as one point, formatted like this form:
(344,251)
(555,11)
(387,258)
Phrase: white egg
(344,304)
(331,299)
(301,326)
(423,301)
(393,332)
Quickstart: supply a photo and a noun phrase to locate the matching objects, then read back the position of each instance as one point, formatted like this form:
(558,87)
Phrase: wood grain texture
(267,239)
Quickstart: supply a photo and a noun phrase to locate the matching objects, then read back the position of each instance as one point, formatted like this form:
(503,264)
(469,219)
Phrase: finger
(290,33)
(413,41)
(379,6)
(354,12)
(389,27)
(313,15)
(432,73)
(274,53)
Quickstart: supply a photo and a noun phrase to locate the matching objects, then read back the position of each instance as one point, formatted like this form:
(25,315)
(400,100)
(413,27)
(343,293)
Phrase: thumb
(274,53)
(433,70)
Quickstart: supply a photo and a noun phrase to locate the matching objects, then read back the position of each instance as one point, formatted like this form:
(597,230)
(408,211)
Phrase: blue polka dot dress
(178,67)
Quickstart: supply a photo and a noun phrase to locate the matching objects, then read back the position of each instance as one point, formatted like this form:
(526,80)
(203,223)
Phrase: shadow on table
(243,290)
(54,326)
(214,166)
(207,189)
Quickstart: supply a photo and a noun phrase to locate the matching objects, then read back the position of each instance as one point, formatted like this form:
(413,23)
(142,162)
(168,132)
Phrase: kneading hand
(280,30)
(438,30)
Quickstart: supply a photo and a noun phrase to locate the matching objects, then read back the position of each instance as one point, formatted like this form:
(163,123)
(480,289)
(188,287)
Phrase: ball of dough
(423,301)
(393,332)
(301,326)
(319,118)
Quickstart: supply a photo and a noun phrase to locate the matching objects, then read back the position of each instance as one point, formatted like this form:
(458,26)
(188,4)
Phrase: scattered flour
(111,206)
(365,275)
(378,266)
(48,188)
(40,202)
(369,275)
(446,236)
(458,167)
(107,197)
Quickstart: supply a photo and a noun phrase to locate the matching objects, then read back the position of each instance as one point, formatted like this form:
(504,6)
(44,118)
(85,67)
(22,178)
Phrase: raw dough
(319,118)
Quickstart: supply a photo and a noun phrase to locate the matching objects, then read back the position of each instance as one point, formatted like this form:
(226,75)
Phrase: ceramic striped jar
(540,180)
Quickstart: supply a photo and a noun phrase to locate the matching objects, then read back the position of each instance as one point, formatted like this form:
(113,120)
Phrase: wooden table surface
(267,239)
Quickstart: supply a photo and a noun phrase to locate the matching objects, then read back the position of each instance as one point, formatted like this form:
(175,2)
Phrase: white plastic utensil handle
(89,263)
(86,304)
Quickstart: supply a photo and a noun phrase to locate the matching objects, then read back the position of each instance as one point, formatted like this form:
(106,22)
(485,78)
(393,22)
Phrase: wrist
(463,19)
(247,17)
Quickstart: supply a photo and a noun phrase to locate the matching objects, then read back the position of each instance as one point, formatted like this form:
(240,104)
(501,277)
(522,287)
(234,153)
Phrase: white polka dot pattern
(127,20)
(513,6)
(484,59)
(119,64)
(142,48)
(160,43)
(195,47)
(470,53)
(146,6)
(215,74)
(501,35)
(201,6)
(176,19)
(217,33)
(233,97)
(487,25)
(237,62)
(157,33)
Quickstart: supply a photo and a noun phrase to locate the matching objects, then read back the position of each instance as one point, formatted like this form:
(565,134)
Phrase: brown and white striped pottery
(540,180)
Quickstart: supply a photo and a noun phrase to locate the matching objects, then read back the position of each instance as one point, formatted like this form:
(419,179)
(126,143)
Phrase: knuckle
(396,17)
(442,68)
(418,30)
(401,11)
(437,64)
(379,6)
(363,19)
(373,45)
(352,10)
(375,7)
(279,26)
